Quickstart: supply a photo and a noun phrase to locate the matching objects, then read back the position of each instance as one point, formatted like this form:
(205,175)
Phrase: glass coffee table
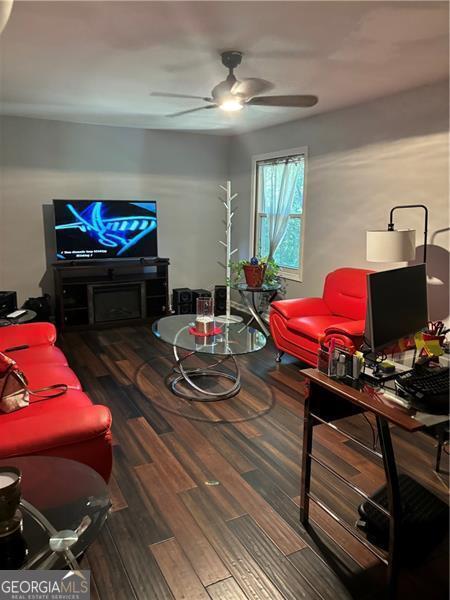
(63,508)
(233,340)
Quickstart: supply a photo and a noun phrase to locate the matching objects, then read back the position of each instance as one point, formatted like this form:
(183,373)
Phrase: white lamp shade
(5,12)
(391,246)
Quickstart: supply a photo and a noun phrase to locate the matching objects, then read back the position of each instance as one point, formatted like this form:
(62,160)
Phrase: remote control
(16,314)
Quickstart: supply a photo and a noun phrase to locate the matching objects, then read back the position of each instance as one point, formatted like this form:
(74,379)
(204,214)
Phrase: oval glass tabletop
(70,495)
(234,338)
(265,287)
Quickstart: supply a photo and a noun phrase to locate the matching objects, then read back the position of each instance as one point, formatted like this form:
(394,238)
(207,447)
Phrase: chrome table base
(256,315)
(181,379)
(47,557)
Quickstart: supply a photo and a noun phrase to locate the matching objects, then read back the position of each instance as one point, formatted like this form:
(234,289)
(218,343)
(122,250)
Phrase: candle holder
(204,321)
(10,495)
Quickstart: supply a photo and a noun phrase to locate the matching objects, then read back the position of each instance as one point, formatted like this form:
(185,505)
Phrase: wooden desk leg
(306,459)
(393,491)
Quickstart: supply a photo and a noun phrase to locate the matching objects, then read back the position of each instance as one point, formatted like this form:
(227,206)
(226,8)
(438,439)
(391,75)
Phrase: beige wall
(42,160)
(362,161)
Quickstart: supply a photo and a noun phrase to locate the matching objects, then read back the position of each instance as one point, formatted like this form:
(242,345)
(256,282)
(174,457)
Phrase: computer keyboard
(428,388)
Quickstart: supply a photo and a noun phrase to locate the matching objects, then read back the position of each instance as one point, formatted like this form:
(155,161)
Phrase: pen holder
(428,337)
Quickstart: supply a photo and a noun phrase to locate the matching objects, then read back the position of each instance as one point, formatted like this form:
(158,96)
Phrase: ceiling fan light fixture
(231,105)
(231,94)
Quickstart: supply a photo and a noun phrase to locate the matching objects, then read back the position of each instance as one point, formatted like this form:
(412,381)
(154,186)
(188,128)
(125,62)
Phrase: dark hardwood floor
(209,509)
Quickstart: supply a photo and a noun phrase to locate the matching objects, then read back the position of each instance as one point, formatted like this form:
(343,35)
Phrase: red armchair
(69,426)
(297,325)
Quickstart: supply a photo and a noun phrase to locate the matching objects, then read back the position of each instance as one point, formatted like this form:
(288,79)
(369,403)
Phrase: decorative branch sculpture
(227,202)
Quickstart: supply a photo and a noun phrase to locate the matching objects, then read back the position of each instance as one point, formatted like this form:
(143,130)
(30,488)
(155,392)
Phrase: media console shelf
(101,294)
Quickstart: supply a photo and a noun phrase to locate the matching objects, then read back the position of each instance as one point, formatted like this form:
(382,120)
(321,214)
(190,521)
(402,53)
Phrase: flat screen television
(105,229)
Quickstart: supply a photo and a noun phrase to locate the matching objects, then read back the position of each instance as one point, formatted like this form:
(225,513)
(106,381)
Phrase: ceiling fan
(232,95)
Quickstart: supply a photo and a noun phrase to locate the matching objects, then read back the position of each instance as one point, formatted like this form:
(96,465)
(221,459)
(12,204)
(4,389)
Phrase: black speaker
(8,303)
(181,297)
(198,294)
(220,299)
(183,309)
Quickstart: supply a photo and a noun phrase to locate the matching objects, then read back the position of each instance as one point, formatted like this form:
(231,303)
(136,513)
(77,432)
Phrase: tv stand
(110,293)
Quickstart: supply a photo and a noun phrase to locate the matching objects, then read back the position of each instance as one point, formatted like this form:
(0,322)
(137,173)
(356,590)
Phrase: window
(268,171)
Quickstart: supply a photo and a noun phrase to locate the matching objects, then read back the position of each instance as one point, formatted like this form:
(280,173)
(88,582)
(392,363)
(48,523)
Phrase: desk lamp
(395,245)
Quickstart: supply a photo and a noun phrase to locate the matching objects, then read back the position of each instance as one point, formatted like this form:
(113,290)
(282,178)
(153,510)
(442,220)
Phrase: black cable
(374,437)
(380,357)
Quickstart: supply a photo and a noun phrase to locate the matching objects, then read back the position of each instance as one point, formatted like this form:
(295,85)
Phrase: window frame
(286,273)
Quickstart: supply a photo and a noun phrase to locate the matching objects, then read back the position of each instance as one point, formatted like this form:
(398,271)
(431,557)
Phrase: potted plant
(256,271)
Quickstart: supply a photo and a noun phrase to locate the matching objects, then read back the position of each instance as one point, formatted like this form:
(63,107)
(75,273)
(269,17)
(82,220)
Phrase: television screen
(98,229)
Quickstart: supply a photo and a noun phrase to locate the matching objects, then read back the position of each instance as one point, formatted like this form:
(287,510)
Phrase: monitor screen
(105,229)
(396,305)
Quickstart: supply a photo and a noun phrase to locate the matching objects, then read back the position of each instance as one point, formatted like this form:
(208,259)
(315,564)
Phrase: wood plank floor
(206,505)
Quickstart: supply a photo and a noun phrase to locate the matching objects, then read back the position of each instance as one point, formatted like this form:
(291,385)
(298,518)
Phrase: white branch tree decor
(227,202)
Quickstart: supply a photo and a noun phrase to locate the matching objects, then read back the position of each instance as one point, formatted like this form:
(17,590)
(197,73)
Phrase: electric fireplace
(116,302)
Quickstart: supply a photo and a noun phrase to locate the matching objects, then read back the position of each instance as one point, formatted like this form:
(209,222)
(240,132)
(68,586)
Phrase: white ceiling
(97,62)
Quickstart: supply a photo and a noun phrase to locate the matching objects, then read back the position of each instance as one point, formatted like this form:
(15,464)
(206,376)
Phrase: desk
(322,389)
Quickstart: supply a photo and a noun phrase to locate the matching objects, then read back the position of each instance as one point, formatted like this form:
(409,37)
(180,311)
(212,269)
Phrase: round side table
(247,294)
(64,506)
(28,316)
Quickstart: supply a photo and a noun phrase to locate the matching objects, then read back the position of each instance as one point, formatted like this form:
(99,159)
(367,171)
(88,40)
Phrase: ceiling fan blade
(170,95)
(223,88)
(292,101)
(252,86)
(191,110)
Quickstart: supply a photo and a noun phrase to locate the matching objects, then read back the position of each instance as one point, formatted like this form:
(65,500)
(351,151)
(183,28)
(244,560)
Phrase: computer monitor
(396,305)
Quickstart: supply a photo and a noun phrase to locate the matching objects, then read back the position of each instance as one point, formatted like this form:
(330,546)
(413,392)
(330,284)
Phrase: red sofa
(69,426)
(297,325)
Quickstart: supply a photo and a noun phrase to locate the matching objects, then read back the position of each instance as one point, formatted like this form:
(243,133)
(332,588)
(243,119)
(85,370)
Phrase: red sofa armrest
(28,334)
(301,307)
(349,328)
(39,434)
